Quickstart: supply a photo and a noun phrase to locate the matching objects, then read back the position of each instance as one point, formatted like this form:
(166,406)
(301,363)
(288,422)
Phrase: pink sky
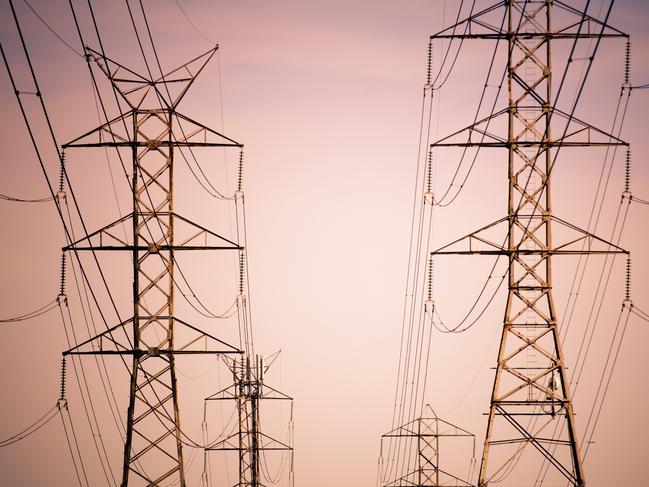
(325,95)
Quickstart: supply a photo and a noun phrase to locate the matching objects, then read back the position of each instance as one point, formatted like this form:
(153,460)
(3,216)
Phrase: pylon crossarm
(593,136)
(273,394)
(231,443)
(228,349)
(189,80)
(111,69)
(118,133)
(571,30)
(473,236)
(97,342)
(450,32)
(595,238)
(613,32)
(272,443)
(565,248)
(205,232)
(228,393)
(408,429)
(474,127)
(583,127)
(104,232)
(106,238)
(123,121)
(197,127)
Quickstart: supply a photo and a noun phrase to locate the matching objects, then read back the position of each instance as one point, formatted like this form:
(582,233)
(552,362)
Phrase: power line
(32,314)
(26,200)
(32,428)
(182,11)
(59,37)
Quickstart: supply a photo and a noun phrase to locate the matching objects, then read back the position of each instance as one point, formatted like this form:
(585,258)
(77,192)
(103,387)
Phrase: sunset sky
(326,97)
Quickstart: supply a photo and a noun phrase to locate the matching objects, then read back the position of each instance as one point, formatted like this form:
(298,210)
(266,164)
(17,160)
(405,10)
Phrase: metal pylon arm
(592,136)
(196,237)
(106,343)
(121,132)
(480,26)
(136,89)
(476,243)
(231,443)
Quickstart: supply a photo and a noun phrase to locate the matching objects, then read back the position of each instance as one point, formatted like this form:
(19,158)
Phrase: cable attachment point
(239,192)
(429,65)
(627,63)
(428,195)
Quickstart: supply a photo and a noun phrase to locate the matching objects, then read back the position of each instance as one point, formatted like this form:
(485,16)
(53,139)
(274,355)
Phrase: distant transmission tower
(425,435)
(531,419)
(150,133)
(248,440)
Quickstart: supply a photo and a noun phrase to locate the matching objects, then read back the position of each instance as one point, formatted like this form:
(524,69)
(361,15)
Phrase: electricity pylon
(150,132)
(249,390)
(426,432)
(530,403)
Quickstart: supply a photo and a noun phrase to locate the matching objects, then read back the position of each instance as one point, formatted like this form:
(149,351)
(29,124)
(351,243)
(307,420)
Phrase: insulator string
(240,176)
(62,288)
(62,398)
(627,171)
(627,62)
(627,287)
(429,64)
(242,270)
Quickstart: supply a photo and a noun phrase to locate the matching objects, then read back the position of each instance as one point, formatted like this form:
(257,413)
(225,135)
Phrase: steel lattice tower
(530,402)
(249,390)
(151,131)
(425,435)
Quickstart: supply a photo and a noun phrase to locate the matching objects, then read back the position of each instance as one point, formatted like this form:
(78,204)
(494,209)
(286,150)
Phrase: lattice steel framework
(248,390)
(530,402)
(426,432)
(151,131)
